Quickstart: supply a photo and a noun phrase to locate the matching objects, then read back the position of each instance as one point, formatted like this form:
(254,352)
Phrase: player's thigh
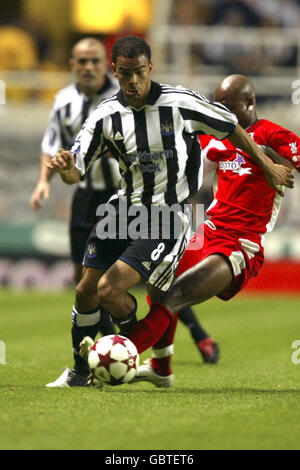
(118,279)
(208,278)
(156,259)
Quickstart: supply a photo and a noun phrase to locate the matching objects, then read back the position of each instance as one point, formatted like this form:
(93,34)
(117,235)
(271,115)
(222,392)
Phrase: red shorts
(245,256)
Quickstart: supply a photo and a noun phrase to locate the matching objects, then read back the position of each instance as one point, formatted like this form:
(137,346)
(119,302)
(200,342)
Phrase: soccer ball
(113,359)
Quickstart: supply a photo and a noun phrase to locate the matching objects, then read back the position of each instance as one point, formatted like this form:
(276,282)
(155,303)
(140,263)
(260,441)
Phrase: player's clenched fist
(64,163)
(280,176)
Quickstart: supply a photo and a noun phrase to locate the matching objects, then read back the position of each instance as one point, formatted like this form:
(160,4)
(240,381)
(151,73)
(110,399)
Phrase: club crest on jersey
(235,165)
(167,128)
(91,250)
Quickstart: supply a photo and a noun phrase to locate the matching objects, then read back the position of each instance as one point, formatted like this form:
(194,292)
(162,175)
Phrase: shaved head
(237,93)
(235,85)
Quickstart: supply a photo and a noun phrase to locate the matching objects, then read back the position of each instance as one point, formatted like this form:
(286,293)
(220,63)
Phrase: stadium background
(195,43)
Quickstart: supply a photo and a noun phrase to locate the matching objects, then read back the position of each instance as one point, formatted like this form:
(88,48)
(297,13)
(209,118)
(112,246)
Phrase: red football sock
(149,330)
(163,350)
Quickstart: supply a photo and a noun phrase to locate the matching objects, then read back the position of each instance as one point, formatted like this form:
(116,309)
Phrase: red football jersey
(243,199)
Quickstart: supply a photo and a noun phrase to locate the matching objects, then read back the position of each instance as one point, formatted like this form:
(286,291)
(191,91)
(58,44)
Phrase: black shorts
(155,259)
(83,218)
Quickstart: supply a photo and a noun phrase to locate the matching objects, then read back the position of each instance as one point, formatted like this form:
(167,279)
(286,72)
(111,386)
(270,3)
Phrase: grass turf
(250,400)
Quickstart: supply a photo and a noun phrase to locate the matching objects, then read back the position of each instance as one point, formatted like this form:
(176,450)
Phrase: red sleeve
(285,143)
(204,140)
(212,147)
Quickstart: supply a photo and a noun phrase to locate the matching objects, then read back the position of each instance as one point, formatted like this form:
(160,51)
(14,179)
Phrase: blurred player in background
(228,248)
(72,106)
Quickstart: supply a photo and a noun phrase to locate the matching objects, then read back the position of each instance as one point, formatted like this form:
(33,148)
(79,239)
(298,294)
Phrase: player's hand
(42,191)
(62,162)
(280,176)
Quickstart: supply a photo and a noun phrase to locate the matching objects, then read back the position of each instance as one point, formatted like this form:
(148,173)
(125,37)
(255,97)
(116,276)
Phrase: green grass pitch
(250,400)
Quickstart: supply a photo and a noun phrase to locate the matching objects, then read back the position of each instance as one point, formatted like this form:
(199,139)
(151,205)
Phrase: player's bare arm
(277,175)
(42,189)
(64,164)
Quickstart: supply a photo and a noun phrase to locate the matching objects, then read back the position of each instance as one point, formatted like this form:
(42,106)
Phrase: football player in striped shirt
(151,129)
(227,250)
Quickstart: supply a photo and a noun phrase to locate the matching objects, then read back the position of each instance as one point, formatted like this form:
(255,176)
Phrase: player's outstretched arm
(277,175)
(64,164)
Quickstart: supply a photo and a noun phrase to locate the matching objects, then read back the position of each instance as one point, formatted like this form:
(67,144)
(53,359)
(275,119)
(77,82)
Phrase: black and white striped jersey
(70,110)
(157,147)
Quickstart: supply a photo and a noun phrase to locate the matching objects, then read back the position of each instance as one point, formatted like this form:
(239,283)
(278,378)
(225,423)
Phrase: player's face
(134,76)
(89,63)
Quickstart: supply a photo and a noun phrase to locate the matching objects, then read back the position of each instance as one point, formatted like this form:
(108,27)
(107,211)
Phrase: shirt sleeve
(286,144)
(51,142)
(204,117)
(89,144)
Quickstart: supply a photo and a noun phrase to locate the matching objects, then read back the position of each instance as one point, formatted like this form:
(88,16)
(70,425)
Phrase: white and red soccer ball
(113,359)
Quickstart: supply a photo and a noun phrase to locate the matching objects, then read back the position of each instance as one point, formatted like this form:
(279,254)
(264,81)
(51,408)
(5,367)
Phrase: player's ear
(250,103)
(114,68)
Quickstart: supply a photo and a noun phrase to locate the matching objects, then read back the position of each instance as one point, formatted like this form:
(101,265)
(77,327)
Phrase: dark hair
(130,47)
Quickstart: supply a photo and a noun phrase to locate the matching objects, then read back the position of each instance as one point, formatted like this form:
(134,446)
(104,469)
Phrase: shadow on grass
(150,388)
(204,391)
(196,363)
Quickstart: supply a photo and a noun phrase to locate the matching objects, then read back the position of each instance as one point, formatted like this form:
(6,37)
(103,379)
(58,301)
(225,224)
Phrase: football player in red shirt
(227,249)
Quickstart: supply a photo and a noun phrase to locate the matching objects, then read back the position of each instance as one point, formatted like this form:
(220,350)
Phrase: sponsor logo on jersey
(147,264)
(235,165)
(118,136)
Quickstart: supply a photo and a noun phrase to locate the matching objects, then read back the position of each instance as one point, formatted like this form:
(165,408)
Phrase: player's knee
(105,290)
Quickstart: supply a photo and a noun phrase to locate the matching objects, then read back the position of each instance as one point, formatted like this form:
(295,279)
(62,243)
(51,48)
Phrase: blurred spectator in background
(235,13)
(40,36)
(18,52)
(17,49)
(279,13)
(238,57)
(190,12)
